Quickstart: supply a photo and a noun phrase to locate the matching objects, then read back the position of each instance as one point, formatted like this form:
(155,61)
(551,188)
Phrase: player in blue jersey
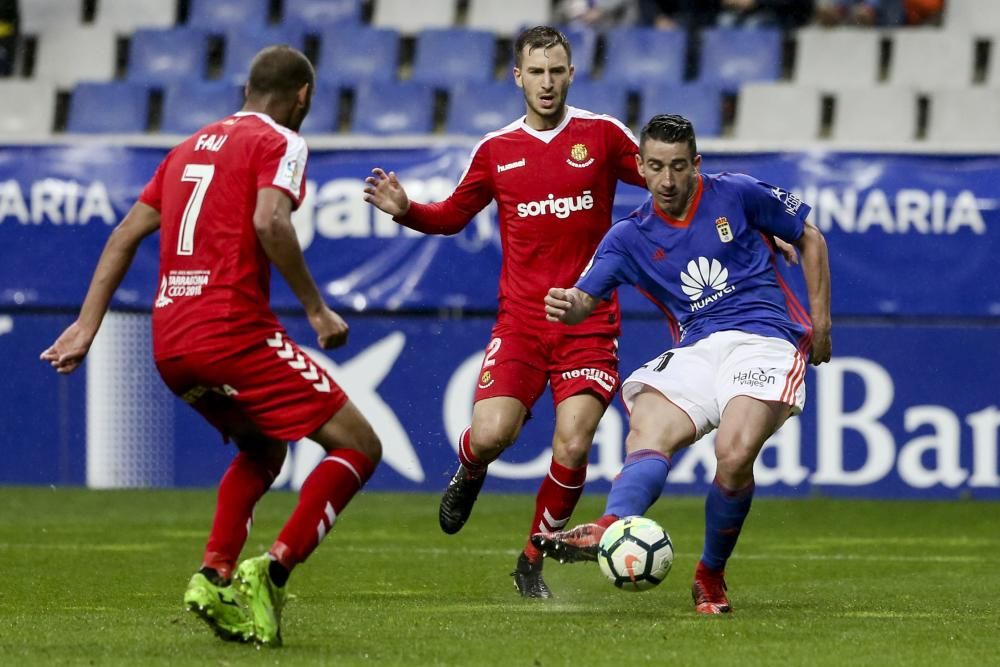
(701,248)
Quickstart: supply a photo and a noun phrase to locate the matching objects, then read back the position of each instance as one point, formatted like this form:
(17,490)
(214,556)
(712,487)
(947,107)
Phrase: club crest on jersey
(722,227)
(485,380)
(578,155)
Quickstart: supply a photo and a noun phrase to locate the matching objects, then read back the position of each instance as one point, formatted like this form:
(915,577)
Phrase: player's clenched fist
(557,304)
(331,329)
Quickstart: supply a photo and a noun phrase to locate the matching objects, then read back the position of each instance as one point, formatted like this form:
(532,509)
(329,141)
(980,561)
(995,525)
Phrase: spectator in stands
(858,12)
(923,12)
(596,14)
(8,36)
(785,14)
(671,14)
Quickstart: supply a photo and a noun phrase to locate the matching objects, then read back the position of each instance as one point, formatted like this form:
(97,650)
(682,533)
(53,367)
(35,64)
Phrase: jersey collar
(547,136)
(686,222)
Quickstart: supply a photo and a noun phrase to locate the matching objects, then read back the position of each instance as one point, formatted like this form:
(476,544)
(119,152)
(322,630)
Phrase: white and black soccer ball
(635,553)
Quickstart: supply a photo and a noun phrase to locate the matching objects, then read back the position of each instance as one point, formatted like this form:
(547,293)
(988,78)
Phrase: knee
(735,466)
(488,442)
(572,451)
(264,451)
(368,443)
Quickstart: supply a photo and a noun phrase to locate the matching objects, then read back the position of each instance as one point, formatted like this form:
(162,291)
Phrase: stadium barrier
(907,408)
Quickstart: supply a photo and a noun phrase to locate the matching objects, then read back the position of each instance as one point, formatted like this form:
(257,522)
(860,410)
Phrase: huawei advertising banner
(907,408)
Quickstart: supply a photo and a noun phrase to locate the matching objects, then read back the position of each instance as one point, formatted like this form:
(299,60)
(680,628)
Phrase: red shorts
(519,362)
(271,384)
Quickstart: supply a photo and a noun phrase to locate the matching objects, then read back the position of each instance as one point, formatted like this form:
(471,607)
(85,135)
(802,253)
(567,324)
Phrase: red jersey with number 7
(214,280)
(554,191)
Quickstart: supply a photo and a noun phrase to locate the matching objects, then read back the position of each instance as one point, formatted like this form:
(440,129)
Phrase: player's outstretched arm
(272,219)
(385,192)
(569,306)
(68,351)
(816,266)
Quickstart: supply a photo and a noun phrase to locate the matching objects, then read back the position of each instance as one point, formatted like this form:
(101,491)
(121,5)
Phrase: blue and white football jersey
(716,270)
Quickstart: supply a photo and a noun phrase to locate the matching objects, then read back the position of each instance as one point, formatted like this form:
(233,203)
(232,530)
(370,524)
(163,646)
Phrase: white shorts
(703,378)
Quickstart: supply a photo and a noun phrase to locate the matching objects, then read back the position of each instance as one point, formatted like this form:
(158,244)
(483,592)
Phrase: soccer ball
(635,553)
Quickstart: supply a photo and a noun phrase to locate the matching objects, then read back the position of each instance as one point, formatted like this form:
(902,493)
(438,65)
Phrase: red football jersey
(554,190)
(214,282)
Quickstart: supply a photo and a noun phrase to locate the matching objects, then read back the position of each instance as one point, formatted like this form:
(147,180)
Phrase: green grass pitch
(96,578)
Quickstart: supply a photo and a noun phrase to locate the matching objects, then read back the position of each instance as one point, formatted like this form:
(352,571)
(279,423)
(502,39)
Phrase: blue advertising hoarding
(909,235)
(901,411)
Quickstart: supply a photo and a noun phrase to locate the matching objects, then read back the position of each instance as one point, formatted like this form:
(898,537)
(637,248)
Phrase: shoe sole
(205,614)
(563,551)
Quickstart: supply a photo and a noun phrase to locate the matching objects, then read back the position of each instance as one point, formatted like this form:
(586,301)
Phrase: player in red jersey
(222,201)
(553,174)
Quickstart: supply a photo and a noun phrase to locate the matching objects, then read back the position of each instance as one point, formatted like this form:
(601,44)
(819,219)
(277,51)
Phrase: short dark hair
(540,37)
(669,128)
(280,70)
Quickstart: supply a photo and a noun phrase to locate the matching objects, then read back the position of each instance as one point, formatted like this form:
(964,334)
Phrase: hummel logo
(702,275)
(511,165)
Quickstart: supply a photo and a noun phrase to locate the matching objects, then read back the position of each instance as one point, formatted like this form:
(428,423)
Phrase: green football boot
(219,607)
(264,600)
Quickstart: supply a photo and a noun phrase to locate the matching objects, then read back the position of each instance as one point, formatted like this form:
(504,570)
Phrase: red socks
(324,494)
(243,484)
(474,466)
(557,496)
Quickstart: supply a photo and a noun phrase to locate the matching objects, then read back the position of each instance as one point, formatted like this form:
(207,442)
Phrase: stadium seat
(165,56)
(349,56)
(508,17)
(38,16)
(778,112)
(700,103)
(125,16)
(927,58)
(837,57)
(977,17)
(112,107)
(323,112)
(478,108)
(600,97)
(584,45)
(409,17)
(242,45)
(445,57)
(731,57)
(190,105)
(389,107)
(318,14)
(969,116)
(33,113)
(876,114)
(58,55)
(636,57)
(224,15)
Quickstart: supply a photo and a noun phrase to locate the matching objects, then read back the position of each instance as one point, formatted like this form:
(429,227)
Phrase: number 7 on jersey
(201,175)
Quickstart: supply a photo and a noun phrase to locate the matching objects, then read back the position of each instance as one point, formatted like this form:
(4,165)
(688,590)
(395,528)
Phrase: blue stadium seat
(699,103)
(388,107)
(242,45)
(478,108)
(636,57)
(117,106)
(451,56)
(600,97)
(350,56)
(163,56)
(190,105)
(323,112)
(224,15)
(314,15)
(731,57)
(584,45)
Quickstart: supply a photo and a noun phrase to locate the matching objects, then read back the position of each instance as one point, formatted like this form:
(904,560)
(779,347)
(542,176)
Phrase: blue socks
(725,512)
(639,483)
